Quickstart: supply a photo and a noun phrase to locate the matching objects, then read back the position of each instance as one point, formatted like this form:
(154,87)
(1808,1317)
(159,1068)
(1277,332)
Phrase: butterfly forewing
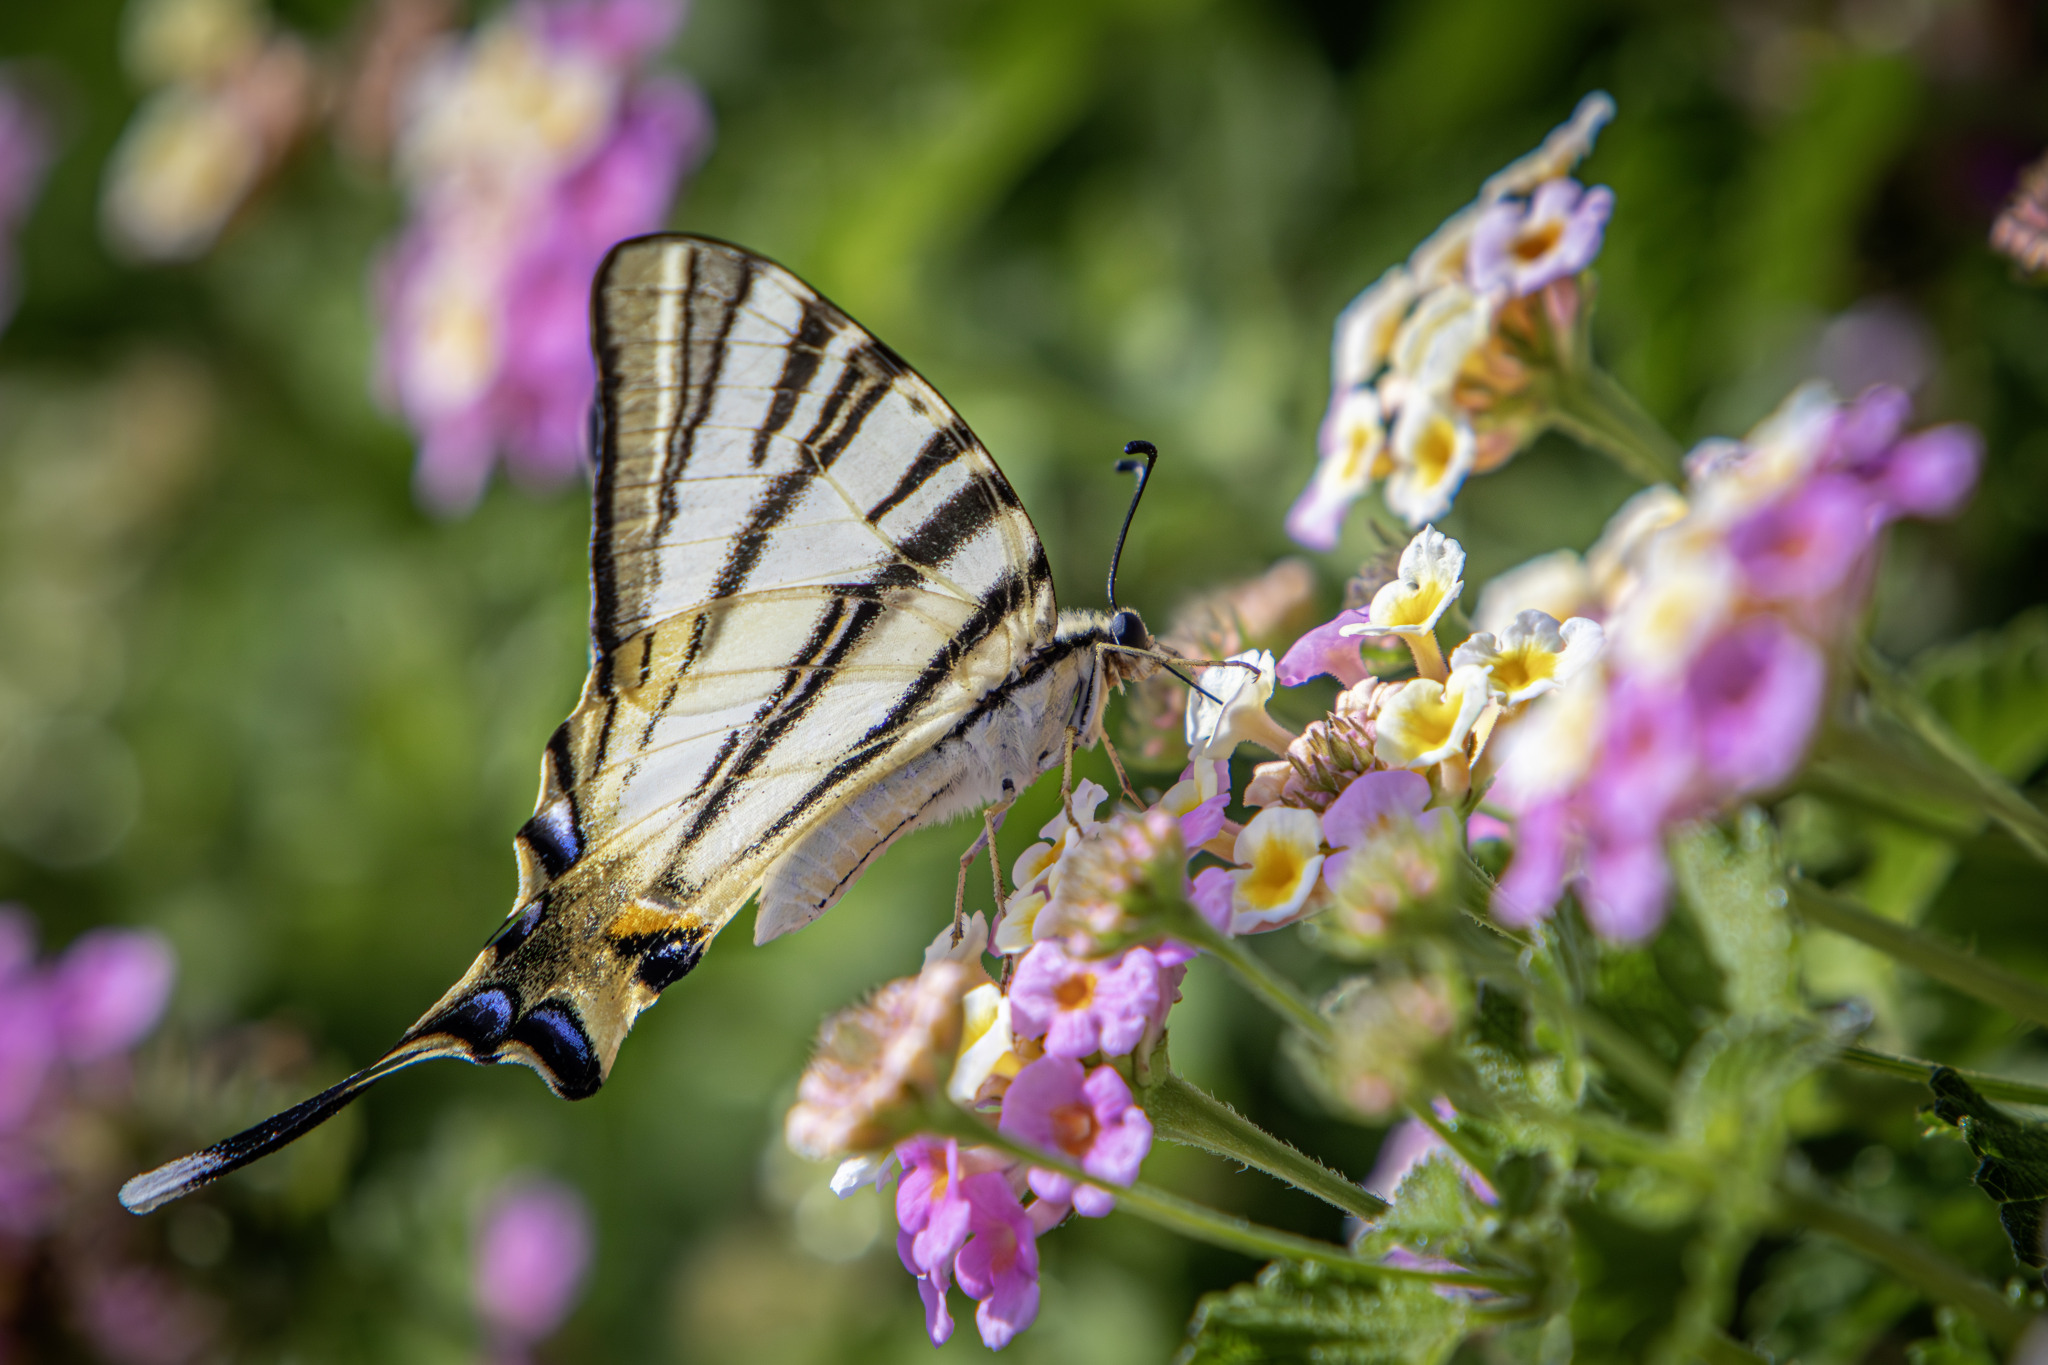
(806,568)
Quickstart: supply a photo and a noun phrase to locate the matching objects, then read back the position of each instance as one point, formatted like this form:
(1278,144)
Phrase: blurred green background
(252,695)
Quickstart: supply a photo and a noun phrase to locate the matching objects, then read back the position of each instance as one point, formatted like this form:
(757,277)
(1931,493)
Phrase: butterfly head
(1127,628)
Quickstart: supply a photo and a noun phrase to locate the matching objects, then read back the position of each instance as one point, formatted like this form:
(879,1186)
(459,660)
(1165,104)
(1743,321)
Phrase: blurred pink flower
(1756,694)
(931,1217)
(138,1316)
(529,152)
(109,989)
(533,1248)
(1526,244)
(1697,718)
(1802,547)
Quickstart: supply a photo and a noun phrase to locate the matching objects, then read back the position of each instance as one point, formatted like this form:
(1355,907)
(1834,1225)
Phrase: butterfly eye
(1126,629)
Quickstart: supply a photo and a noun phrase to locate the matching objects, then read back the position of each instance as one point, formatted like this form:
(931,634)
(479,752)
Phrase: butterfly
(820,619)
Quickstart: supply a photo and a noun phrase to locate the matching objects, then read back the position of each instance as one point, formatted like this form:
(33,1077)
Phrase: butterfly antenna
(1143,470)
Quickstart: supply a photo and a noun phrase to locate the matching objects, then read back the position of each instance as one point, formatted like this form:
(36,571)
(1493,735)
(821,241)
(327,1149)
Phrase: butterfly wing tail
(176,1179)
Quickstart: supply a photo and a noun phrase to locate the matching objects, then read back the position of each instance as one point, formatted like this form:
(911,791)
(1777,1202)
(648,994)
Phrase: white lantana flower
(1366,328)
(1616,558)
(1234,709)
(1558,584)
(1549,749)
(1427,721)
(1567,145)
(1036,873)
(1431,577)
(180,170)
(1731,479)
(987,1047)
(856,1173)
(973,942)
(1533,655)
(1433,450)
(1280,856)
(1682,594)
(1447,326)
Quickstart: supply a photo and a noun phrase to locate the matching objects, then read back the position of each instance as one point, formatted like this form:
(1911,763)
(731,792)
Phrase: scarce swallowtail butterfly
(820,619)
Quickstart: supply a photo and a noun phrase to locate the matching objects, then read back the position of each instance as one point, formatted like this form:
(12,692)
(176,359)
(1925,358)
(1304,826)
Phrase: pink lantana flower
(1523,245)
(999,1264)
(1086,1116)
(932,1217)
(1372,807)
(1328,649)
(1081,1007)
(1756,695)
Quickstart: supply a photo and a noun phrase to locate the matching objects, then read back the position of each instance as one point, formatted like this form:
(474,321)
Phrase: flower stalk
(1918,1070)
(1209,1225)
(1989,789)
(1184,922)
(1185,1113)
(1593,408)
(1923,952)
(1932,1274)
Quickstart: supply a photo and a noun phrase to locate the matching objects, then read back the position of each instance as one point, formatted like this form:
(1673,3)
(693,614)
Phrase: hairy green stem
(1924,953)
(1594,409)
(1212,1225)
(1998,798)
(1454,1138)
(1275,991)
(1823,780)
(1185,1113)
(1916,1069)
(1919,1266)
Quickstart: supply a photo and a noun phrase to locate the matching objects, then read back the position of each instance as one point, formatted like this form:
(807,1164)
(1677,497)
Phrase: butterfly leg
(1067,775)
(1122,778)
(991,821)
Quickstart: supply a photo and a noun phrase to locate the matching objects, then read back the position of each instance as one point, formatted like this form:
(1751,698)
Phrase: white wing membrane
(806,571)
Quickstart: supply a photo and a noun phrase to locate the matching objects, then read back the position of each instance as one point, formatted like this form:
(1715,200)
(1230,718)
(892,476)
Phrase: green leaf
(2012,1160)
(1992,689)
(1295,1312)
(1434,1212)
(1960,1342)
(1731,880)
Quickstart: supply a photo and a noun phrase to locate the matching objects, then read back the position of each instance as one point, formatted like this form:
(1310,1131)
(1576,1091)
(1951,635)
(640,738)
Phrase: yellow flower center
(1073,1127)
(1534,244)
(1435,447)
(1358,450)
(1075,992)
(1414,608)
(1275,873)
(1434,720)
(1522,667)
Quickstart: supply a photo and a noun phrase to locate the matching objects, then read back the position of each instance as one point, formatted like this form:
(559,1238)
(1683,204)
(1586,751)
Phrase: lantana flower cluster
(1442,367)
(1726,605)
(527,151)
(1048,1052)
